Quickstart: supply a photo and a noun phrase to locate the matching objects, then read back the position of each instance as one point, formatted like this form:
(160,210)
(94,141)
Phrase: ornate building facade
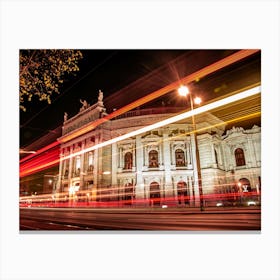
(159,166)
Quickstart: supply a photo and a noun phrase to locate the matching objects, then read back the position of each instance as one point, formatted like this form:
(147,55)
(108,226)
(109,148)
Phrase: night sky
(108,70)
(115,73)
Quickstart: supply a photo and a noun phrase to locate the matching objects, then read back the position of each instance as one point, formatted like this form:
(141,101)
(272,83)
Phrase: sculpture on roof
(85,104)
(100,96)
(65,116)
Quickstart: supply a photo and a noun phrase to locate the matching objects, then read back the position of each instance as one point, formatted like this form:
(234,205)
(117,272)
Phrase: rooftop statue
(100,96)
(65,116)
(85,105)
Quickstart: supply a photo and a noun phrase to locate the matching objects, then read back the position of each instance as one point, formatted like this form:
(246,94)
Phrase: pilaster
(139,188)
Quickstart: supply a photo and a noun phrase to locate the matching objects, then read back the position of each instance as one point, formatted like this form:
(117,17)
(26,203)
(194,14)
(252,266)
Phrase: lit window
(77,166)
(90,161)
(153,159)
(180,157)
(129,189)
(239,157)
(90,158)
(128,160)
(78,162)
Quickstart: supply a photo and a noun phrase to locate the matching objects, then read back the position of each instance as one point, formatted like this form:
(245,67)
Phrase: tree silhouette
(41,72)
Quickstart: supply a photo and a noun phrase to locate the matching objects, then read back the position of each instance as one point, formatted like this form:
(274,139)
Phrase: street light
(184,91)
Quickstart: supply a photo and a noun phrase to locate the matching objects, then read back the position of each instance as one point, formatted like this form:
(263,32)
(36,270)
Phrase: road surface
(140,219)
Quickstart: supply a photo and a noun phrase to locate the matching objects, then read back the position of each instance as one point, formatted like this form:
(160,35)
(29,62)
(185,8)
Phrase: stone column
(70,166)
(160,151)
(214,163)
(133,157)
(195,171)
(167,165)
(121,165)
(139,188)
(60,174)
(145,155)
(189,162)
(256,145)
(96,168)
(172,153)
(82,171)
(114,165)
(192,197)
(252,153)
(224,156)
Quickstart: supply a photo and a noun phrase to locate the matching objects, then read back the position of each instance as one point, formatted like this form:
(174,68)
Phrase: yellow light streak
(173,86)
(196,111)
(242,118)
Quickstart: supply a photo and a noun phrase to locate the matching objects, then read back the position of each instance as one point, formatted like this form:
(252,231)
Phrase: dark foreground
(157,219)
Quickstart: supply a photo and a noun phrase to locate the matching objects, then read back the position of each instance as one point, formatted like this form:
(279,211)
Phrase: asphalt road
(185,219)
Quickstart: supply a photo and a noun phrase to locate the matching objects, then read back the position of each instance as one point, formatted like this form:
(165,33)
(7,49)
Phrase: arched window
(154,194)
(129,194)
(244,185)
(66,173)
(77,166)
(66,168)
(180,157)
(183,193)
(153,158)
(128,160)
(239,157)
(90,161)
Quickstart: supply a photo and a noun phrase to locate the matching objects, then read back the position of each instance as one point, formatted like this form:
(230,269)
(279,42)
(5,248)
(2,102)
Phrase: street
(176,219)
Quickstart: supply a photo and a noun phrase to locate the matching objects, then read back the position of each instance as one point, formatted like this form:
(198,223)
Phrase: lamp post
(184,91)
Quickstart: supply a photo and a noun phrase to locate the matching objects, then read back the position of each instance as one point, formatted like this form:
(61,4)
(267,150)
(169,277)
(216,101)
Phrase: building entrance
(128,197)
(154,194)
(183,193)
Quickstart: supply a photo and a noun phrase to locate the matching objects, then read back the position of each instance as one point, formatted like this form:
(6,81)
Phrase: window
(66,168)
(65,187)
(77,166)
(78,162)
(244,185)
(183,193)
(153,159)
(90,161)
(154,194)
(89,184)
(129,189)
(239,157)
(180,157)
(66,174)
(128,160)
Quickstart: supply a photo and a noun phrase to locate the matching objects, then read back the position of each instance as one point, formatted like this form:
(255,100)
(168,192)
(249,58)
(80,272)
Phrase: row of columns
(69,164)
(139,163)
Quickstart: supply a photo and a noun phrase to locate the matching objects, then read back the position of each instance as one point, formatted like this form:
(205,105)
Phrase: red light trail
(38,161)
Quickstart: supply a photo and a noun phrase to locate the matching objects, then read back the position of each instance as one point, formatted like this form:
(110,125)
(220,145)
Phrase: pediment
(151,136)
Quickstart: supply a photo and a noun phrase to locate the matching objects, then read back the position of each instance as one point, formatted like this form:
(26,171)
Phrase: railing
(150,111)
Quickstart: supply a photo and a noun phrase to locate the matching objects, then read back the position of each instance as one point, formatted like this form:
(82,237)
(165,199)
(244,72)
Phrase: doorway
(154,194)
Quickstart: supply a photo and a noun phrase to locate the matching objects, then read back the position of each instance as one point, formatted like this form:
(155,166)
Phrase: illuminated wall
(160,161)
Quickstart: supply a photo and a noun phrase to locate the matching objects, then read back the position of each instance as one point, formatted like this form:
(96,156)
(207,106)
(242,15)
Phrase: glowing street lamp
(184,91)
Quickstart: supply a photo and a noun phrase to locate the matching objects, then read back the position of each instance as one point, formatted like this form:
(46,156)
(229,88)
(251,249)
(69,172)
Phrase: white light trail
(196,111)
